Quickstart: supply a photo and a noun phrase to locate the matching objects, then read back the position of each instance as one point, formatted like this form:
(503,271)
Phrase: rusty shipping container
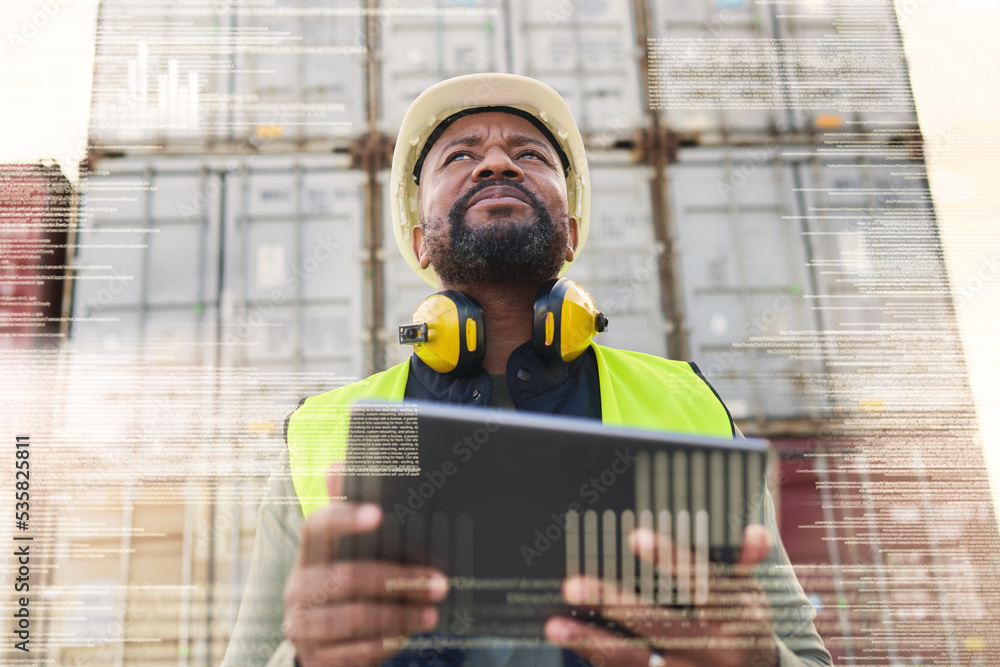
(37,214)
(891,556)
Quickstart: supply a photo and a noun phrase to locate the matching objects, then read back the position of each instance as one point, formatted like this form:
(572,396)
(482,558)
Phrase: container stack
(760,207)
(38,209)
(37,219)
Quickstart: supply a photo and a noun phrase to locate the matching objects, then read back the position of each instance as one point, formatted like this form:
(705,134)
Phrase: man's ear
(574,239)
(419,249)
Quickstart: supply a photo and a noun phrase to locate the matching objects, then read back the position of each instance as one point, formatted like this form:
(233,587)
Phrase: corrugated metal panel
(292,280)
(185,77)
(37,205)
(182,335)
(155,77)
(701,12)
(847,69)
(176,477)
(148,258)
(618,266)
(805,524)
(306,82)
(143,577)
(735,67)
(885,552)
(778,243)
(418,50)
(87,576)
(881,287)
(743,271)
(691,41)
(872,230)
(294,268)
(293,76)
(587,52)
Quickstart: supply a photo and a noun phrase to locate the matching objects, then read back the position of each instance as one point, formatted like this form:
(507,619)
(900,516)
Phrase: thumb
(757,544)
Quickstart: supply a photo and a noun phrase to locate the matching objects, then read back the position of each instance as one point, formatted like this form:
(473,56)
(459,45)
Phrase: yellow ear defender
(566,320)
(447,331)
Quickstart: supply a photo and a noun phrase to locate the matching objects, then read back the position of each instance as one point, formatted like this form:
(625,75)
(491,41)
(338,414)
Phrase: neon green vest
(637,390)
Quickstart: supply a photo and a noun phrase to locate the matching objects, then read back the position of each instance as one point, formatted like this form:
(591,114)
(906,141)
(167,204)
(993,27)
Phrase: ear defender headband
(448,333)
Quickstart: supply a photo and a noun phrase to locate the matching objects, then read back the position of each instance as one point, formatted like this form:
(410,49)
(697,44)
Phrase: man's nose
(497,164)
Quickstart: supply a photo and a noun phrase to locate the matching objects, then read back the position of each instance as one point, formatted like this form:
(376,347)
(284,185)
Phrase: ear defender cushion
(565,321)
(455,339)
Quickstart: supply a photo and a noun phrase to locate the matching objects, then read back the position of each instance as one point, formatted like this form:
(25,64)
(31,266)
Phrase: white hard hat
(511,93)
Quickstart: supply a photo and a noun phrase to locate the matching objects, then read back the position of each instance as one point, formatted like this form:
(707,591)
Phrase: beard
(504,249)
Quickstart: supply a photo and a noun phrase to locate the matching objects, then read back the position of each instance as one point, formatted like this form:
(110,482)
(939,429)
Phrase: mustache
(463,201)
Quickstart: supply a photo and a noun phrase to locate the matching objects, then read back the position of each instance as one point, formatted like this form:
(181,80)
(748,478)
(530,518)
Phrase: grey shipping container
(417,50)
(187,79)
(245,261)
(190,78)
(758,262)
(729,70)
(587,51)
(742,268)
(787,296)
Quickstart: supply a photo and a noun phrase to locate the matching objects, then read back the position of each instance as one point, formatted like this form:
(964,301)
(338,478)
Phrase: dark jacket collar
(563,388)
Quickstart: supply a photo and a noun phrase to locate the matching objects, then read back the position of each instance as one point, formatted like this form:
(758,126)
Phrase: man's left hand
(729,625)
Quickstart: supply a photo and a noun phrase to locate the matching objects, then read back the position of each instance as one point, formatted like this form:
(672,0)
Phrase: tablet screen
(509,504)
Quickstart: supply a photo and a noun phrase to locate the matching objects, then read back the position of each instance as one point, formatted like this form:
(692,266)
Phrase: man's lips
(500,194)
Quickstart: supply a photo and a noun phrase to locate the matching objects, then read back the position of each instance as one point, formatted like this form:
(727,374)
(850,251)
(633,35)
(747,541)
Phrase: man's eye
(453,158)
(534,154)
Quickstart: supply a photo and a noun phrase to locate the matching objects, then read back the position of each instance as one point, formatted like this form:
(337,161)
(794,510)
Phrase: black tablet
(509,504)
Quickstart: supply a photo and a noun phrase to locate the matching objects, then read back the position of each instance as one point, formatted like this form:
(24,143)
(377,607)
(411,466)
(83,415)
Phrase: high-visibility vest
(637,390)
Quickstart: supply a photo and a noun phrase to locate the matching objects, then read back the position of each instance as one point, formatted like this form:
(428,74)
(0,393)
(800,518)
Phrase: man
(491,199)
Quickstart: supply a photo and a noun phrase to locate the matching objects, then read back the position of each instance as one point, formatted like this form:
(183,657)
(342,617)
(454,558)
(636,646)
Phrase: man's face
(492,204)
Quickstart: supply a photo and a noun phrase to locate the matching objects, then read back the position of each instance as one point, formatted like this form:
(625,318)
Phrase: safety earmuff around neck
(449,335)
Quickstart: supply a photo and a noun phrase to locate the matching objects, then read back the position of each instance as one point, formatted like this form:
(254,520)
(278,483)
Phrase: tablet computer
(509,504)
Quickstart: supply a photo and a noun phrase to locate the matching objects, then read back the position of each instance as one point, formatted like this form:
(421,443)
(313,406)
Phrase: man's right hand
(338,612)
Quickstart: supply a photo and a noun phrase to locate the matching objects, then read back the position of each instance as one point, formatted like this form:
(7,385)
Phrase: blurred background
(194,234)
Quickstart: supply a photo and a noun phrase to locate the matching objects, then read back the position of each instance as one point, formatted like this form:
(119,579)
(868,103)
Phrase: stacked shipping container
(240,252)
(37,215)
(758,196)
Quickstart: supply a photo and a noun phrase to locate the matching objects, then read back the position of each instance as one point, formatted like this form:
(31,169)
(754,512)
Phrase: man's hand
(339,612)
(729,627)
